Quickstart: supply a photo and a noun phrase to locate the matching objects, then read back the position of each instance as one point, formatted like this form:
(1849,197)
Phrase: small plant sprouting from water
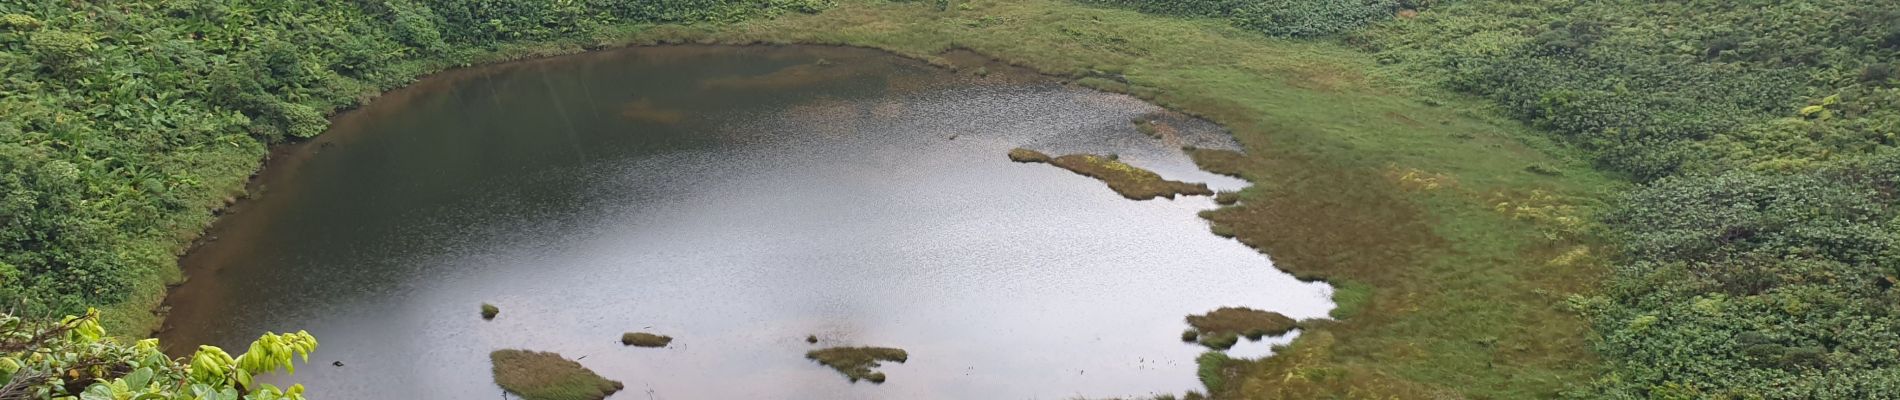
(856,363)
(1147,127)
(812,339)
(489,311)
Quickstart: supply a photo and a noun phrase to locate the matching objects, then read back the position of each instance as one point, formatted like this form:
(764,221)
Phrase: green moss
(548,376)
(489,311)
(856,362)
(643,339)
(1190,335)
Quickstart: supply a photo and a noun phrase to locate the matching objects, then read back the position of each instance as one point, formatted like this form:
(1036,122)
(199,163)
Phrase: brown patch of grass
(547,376)
(1227,198)
(1128,180)
(856,362)
(1254,324)
(643,110)
(643,339)
(1027,156)
(1224,162)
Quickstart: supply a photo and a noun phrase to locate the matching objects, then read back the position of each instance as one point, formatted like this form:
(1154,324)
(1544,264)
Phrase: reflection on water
(698,192)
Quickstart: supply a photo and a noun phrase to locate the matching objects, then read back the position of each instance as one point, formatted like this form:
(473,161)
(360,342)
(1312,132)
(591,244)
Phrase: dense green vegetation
(123,123)
(73,358)
(1757,259)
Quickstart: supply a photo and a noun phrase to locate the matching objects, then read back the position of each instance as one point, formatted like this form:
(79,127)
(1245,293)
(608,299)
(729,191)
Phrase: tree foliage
(122,123)
(74,359)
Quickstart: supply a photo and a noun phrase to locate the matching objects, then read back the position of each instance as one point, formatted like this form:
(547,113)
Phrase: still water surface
(737,199)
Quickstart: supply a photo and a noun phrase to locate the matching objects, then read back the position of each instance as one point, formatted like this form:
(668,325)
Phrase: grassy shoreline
(1359,181)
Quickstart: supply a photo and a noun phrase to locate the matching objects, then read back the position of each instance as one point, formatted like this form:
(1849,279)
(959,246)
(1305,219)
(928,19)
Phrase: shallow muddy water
(737,199)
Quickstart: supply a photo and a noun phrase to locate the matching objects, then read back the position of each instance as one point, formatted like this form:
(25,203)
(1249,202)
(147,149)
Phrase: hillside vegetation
(1758,257)
(123,123)
(1753,254)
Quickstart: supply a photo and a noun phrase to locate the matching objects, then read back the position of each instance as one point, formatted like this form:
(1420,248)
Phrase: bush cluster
(1758,255)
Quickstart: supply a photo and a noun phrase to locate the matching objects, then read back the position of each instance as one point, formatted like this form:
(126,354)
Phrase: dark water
(737,199)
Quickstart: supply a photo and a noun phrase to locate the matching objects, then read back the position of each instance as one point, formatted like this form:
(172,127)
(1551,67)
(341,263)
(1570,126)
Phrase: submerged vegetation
(1128,180)
(643,339)
(489,311)
(856,363)
(547,376)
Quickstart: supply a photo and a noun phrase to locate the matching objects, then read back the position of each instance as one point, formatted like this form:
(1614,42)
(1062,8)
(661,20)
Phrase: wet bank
(739,198)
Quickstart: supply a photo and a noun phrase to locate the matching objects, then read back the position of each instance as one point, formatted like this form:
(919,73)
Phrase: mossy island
(489,311)
(1130,181)
(1222,328)
(856,362)
(535,375)
(643,339)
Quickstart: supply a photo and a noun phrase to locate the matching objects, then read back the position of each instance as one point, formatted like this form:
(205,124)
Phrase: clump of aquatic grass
(1221,329)
(1190,335)
(856,362)
(537,375)
(1147,127)
(489,311)
(643,339)
(1128,180)
(813,339)
(1026,155)
(1212,369)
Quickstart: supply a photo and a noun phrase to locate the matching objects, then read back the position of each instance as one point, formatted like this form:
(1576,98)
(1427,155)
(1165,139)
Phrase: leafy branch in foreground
(74,359)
